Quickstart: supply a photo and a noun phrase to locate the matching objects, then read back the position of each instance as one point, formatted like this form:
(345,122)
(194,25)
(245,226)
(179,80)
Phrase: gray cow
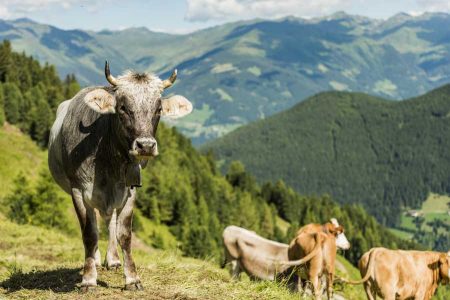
(99,142)
(260,258)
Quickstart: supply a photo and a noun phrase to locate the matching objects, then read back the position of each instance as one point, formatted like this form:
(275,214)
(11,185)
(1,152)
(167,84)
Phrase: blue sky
(179,16)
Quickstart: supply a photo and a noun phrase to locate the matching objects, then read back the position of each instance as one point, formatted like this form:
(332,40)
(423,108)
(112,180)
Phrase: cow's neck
(119,141)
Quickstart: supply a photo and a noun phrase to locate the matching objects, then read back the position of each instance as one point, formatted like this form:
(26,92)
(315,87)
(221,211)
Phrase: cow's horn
(168,82)
(108,75)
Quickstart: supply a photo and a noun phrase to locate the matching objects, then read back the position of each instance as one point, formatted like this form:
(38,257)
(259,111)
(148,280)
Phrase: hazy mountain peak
(24,20)
(339,15)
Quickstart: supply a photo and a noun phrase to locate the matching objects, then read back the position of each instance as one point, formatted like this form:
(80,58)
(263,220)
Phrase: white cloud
(434,5)
(208,10)
(21,8)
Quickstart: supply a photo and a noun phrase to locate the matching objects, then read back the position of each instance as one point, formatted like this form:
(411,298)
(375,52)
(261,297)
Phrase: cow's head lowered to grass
(136,100)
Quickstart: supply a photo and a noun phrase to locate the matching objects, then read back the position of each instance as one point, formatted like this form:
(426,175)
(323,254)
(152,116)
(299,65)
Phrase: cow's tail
(304,260)
(369,273)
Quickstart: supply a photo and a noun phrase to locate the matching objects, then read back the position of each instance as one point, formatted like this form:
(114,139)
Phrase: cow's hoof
(134,287)
(87,289)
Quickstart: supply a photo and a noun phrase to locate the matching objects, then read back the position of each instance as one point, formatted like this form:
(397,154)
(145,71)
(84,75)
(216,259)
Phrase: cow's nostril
(139,145)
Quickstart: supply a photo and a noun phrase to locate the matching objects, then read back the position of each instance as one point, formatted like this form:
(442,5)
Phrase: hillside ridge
(357,148)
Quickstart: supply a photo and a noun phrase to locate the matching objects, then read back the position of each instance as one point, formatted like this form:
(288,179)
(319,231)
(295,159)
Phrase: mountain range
(384,155)
(244,71)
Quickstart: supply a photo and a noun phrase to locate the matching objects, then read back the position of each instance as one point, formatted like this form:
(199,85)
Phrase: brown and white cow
(323,263)
(258,257)
(400,274)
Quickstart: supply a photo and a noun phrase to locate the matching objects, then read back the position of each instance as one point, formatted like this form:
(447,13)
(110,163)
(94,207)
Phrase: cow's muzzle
(144,148)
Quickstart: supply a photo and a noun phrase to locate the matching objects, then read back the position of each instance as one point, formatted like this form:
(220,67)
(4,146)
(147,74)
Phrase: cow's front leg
(112,260)
(88,224)
(124,223)
(235,270)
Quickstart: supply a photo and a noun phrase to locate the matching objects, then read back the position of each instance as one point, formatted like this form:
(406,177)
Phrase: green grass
(401,233)
(153,234)
(18,153)
(345,269)
(436,204)
(45,264)
(434,207)
(282,224)
(407,222)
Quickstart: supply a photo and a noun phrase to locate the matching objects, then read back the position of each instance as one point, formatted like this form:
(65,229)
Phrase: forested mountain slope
(358,148)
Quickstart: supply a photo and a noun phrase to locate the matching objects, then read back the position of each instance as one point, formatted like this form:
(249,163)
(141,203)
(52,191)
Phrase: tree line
(30,93)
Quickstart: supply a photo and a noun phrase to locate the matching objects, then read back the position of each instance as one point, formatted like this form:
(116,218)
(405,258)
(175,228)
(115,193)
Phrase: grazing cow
(100,140)
(324,262)
(255,255)
(401,275)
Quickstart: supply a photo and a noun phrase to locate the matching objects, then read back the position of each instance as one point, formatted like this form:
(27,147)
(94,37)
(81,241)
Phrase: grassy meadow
(39,263)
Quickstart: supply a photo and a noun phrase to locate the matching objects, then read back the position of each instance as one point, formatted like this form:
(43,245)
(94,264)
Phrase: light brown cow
(258,257)
(400,274)
(323,263)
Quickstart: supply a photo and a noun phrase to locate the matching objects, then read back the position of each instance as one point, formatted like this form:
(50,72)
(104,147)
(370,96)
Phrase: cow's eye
(123,109)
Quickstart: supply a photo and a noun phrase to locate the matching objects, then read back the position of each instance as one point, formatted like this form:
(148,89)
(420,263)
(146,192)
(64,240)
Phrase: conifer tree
(6,61)
(292,231)
(40,123)
(267,223)
(71,86)
(2,106)
(203,214)
(12,101)
(48,208)
(154,210)
(19,200)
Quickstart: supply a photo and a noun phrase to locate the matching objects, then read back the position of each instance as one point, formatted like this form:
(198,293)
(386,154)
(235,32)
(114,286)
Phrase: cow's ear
(175,107)
(336,230)
(101,101)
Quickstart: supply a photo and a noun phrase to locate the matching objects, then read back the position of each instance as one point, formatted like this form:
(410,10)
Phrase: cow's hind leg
(317,291)
(112,259)
(329,280)
(88,223)
(124,223)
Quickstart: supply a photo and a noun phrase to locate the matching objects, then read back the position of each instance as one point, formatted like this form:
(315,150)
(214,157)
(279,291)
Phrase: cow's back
(256,255)
(55,149)
(404,273)
(75,139)
(233,235)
